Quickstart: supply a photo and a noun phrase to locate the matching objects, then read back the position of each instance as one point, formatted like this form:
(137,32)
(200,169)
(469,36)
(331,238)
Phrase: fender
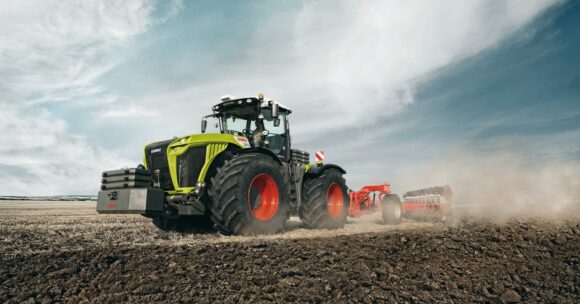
(259,150)
(316,170)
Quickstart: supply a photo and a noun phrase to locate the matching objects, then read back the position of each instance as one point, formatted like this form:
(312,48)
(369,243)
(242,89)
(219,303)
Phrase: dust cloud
(500,191)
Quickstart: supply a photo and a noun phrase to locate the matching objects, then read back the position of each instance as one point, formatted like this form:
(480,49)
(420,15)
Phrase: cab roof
(229,103)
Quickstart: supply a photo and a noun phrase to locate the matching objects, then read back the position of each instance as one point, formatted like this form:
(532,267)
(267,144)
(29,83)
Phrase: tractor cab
(262,121)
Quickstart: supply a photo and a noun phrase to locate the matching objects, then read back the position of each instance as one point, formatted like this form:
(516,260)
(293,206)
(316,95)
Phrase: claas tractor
(240,175)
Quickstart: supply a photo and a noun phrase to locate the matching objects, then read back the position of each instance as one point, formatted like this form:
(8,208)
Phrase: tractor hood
(180,163)
(202,139)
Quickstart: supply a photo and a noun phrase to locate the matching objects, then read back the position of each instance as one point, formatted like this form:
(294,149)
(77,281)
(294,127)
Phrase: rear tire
(249,195)
(325,201)
(391,209)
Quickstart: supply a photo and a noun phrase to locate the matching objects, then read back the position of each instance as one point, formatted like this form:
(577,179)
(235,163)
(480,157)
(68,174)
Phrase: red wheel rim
(263,197)
(335,200)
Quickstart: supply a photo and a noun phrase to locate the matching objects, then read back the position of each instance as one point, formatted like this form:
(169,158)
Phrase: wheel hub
(335,200)
(263,197)
(397,210)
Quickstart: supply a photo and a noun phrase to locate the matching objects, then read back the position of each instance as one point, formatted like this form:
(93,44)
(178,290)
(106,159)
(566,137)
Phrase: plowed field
(65,252)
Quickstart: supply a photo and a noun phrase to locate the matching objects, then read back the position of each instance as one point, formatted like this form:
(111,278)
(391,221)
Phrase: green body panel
(212,150)
(215,144)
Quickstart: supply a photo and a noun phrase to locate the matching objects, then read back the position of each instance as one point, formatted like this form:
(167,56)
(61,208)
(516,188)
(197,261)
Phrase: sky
(413,93)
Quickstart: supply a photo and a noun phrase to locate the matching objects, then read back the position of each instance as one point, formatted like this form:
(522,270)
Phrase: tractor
(240,175)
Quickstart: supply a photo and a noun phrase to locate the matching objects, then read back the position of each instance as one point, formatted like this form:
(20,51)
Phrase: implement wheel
(391,209)
(325,201)
(249,195)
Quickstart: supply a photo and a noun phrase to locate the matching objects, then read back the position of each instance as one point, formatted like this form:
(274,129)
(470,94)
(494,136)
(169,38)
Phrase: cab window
(235,124)
(277,134)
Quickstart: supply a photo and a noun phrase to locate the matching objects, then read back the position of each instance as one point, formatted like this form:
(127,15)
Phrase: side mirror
(203,125)
(275,110)
(276,122)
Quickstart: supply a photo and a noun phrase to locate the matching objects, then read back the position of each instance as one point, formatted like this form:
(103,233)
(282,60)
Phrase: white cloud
(39,156)
(54,51)
(369,56)
(132,111)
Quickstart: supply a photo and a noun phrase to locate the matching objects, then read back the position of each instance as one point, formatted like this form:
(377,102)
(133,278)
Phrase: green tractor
(240,174)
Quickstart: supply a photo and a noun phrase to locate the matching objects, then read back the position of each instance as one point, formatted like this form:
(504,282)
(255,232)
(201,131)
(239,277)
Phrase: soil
(518,261)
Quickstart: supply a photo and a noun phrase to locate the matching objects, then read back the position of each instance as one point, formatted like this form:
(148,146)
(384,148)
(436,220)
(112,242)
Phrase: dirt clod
(511,296)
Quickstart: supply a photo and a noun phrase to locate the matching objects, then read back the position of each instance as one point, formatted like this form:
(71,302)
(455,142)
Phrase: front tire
(391,209)
(325,201)
(249,196)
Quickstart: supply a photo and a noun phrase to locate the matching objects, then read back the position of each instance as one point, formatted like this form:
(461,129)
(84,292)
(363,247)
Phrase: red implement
(434,202)
(367,199)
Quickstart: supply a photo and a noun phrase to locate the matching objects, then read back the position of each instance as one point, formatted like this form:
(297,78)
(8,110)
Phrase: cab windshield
(250,126)
(247,125)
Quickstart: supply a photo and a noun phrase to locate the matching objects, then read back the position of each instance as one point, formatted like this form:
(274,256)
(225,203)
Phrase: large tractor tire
(391,209)
(250,195)
(325,201)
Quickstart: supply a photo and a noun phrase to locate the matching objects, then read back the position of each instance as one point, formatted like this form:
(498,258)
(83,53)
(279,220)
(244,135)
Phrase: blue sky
(413,93)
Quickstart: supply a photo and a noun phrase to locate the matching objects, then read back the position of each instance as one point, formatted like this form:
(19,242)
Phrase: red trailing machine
(434,203)
(373,198)
(424,204)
